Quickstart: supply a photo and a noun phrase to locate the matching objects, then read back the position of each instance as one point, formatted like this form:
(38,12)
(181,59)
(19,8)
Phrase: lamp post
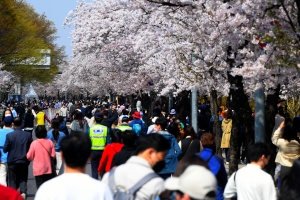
(194,105)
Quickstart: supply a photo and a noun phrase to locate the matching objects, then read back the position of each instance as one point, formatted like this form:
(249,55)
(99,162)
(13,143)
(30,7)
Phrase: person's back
(251,182)
(74,184)
(151,150)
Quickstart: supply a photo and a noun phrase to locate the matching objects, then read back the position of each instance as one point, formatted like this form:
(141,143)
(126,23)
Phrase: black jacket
(17,145)
(122,156)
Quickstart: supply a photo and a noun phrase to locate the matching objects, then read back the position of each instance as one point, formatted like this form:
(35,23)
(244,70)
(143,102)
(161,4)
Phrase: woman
(40,152)
(79,124)
(215,162)
(109,152)
(6,113)
(29,121)
(174,130)
(226,128)
(292,191)
(289,149)
(56,136)
(190,145)
(90,118)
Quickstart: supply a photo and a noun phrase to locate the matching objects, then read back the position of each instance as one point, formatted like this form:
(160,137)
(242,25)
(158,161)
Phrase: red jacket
(8,193)
(107,156)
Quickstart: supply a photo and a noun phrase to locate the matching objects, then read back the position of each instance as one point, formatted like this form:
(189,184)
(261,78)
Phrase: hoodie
(171,158)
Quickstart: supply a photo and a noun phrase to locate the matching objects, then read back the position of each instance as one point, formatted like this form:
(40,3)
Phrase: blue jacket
(60,137)
(17,145)
(171,158)
(216,165)
(140,122)
(3,133)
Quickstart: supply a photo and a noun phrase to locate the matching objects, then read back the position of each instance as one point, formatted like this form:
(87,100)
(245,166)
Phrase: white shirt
(73,186)
(128,174)
(251,183)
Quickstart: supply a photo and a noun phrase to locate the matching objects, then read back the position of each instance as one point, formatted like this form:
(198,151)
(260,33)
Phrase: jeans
(17,176)
(39,180)
(3,174)
(96,157)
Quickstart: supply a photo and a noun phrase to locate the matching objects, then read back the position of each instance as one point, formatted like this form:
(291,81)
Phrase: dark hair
(125,119)
(76,149)
(289,132)
(105,113)
(3,115)
(128,137)
(187,161)
(208,140)
(7,124)
(296,124)
(291,191)
(189,131)
(173,129)
(280,110)
(60,119)
(116,135)
(256,150)
(55,125)
(125,112)
(98,119)
(89,114)
(162,122)
(40,132)
(78,116)
(106,106)
(29,112)
(17,122)
(155,141)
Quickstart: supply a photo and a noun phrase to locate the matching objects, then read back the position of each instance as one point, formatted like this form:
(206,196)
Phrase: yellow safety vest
(98,134)
(123,128)
(40,117)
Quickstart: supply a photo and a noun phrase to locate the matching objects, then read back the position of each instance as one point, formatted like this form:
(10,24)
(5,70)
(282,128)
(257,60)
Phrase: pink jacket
(40,157)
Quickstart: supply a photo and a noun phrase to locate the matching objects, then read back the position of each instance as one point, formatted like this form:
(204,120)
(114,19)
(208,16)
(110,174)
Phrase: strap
(44,148)
(187,148)
(207,161)
(142,182)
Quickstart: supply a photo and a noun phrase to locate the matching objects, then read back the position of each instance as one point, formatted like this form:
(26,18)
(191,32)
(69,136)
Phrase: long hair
(290,132)
(55,125)
(78,116)
(189,131)
(293,183)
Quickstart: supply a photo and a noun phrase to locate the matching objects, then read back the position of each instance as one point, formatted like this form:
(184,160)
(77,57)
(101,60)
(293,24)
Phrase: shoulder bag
(53,161)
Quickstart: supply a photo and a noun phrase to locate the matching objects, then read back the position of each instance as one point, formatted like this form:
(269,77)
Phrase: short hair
(116,135)
(128,137)
(256,150)
(17,121)
(155,141)
(162,122)
(125,119)
(76,149)
(208,140)
(105,113)
(40,132)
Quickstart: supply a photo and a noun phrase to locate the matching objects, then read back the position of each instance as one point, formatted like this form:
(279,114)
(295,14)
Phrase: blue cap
(8,119)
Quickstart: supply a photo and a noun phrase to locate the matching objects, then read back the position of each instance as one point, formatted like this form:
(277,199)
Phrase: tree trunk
(214,110)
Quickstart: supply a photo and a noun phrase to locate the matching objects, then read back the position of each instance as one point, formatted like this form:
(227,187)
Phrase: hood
(166,135)
(227,121)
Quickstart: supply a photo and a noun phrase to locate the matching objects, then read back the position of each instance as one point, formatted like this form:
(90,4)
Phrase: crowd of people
(131,159)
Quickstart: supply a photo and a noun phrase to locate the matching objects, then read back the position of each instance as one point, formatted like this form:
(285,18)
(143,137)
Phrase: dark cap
(8,119)
(99,115)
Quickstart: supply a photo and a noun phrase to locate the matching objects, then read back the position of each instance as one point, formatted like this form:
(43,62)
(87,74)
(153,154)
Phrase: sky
(56,11)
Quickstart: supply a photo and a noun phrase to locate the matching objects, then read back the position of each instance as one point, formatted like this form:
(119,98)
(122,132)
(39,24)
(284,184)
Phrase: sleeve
(176,148)
(269,191)
(33,112)
(30,153)
(46,118)
(107,195)
(230,189)
(7,144)
(223,175)
(103,161)
(276,137)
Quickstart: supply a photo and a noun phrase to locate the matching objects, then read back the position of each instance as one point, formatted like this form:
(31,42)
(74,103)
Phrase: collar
(138,160)
(253,166)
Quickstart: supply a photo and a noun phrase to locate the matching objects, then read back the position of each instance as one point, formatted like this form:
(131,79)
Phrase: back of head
(116,135)
(40,132)
(60,119)
(256,150)
(128,137)
(17,122)
(78,115)
(55,123)
(187,161)
(173,129)
(98,117)
(289,133)
(76,149)
(208,140)
(155,141)
(280,110)
(189,131)
(162,122)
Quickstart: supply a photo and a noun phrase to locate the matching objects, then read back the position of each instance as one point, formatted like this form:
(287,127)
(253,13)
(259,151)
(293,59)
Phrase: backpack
(137,128)
(120,193)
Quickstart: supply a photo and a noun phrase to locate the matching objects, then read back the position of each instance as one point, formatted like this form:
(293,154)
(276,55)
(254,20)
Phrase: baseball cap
(98,114)
(7,119)
(196,181)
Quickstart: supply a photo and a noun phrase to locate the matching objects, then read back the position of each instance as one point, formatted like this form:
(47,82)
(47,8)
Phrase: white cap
(196,181)
(154,119)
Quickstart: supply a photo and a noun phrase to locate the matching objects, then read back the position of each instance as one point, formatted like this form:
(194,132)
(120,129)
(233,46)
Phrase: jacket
(226,127)
(17,145)
(140,122)
(108,155)
(171,158)
(288,151)
(216,166)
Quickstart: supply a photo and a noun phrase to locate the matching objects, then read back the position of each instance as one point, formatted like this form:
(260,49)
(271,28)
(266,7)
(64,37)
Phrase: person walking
(226,128)
(17,145)
(41,117)
(41,152)
(56,136)
(79,124)
(190,145)
(29,121)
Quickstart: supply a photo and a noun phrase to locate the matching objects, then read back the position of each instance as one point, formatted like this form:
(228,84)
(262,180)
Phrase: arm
(33,112)
(103,161)
(176,148)
(269,191)
(7,145)
(179,144)
(30,153)
(230,189)
(276,137)
(46,118)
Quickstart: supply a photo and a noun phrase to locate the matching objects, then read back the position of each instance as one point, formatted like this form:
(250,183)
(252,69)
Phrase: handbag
(53,161)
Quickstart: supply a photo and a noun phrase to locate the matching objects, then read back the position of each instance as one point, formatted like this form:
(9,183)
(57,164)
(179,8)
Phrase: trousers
(96,157)
(39,180)
(3,174)
(17,176)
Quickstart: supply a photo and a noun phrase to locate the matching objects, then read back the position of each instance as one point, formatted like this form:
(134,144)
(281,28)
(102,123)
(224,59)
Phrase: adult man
(98,134)
(137,124)
(190,186)
(63,112)
(74,183)
(124,126)
(17,145)
(151,150)
(251,182)
(3,162)
(41,117)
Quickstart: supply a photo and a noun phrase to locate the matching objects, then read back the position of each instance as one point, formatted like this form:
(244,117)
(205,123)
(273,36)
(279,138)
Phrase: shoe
(23,195)
(227,163)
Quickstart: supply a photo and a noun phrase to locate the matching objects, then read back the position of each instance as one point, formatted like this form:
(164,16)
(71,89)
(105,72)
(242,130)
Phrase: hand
(281,125)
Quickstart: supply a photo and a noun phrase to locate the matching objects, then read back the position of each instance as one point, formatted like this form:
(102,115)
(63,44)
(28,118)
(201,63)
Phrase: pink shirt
(40,157)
